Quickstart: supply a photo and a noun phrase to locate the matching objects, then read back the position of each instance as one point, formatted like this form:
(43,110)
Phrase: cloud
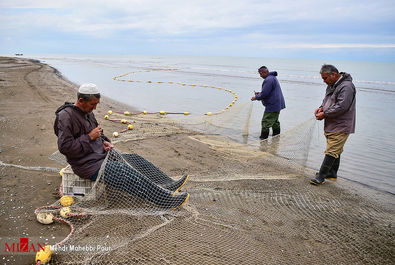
(338,46)
(303,24)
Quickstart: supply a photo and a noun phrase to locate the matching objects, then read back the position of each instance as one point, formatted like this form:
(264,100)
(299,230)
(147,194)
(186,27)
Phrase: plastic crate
(74,185)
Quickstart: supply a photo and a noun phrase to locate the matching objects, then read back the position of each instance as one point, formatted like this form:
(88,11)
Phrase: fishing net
(247,208)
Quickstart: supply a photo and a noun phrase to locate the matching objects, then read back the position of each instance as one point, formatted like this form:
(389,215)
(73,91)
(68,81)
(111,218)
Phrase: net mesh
(227,214)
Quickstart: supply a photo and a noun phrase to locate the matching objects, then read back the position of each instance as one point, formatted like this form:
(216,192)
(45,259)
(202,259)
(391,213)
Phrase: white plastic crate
(74,185)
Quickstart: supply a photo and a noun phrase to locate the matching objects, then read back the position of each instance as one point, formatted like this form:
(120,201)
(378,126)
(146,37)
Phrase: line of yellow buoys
(126,113)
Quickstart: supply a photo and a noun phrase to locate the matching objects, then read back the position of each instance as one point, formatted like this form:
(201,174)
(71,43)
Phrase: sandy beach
(291,221)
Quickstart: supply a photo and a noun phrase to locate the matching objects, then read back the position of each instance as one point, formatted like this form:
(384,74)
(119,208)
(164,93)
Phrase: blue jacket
(271,95)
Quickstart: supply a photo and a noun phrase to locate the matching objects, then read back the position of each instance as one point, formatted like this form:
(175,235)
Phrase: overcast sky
(349,30)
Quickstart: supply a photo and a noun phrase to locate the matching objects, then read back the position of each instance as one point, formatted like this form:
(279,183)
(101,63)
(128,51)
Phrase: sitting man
(81,140)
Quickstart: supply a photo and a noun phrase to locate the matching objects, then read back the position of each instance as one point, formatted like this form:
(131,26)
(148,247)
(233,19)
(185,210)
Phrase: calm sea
(369,156)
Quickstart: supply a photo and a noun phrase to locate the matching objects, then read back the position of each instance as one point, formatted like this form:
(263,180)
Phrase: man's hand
(95,133)
(107,146)
(253,98)
(320,115)
(317,111)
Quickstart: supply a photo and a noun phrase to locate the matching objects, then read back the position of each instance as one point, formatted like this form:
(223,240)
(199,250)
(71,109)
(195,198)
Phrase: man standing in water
(338,111)
(273,100)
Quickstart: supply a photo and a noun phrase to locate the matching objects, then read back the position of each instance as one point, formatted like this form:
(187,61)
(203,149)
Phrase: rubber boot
(264,134)
(153,173)
(125,178)
(176,185)
(276,132)
(333,172)
(324,170)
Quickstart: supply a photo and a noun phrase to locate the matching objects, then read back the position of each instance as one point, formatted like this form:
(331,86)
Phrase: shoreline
(32,91)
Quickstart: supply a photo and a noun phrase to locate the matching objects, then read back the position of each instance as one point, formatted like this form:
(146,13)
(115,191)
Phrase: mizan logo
(23,246)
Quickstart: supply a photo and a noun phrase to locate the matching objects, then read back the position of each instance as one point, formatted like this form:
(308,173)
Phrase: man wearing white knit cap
(81,140)
(80,137)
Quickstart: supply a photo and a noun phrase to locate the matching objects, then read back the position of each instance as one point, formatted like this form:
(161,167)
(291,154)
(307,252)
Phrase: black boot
(324,170)
(264,135)
(333,172)
(276,132)
(153,173)
(123,177)
(176,185)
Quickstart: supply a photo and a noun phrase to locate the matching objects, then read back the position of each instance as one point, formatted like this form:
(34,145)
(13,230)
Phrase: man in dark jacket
(80,137)
(81,140)
(338,111)
(273,100)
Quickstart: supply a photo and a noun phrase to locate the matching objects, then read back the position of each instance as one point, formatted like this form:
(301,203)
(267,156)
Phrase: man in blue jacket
(273,100)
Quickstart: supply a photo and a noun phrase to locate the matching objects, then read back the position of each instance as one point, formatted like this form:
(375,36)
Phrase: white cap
(88,88)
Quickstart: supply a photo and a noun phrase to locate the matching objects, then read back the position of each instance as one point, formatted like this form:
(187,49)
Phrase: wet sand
(338,223)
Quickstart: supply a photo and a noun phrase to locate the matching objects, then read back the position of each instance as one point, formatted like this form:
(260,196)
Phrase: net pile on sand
(136,214)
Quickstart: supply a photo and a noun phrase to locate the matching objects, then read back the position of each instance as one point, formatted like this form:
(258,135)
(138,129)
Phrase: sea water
(369,155)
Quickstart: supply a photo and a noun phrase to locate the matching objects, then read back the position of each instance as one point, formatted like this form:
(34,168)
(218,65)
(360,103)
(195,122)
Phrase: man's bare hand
(95,133)
(320,115)
(107,146)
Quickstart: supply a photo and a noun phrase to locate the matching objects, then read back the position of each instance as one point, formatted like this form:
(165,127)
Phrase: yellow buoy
(61,172)
(186,113)
(115,134)
(130,127)
(66,200)
(109,112)
(145,112)
(124,121)
(126,113)
(44,255)
(162,112)
(64,211)
(209,113)
(106,117)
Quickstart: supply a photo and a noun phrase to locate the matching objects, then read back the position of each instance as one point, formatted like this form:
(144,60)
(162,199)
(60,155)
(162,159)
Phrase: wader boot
(264,134)
(125,178)
(333,172)
(153,173)
(325,169)
(276,132)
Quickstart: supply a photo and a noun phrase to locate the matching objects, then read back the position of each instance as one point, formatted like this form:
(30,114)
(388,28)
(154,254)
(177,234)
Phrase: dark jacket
(339,106)
(271,95)
(72,127)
